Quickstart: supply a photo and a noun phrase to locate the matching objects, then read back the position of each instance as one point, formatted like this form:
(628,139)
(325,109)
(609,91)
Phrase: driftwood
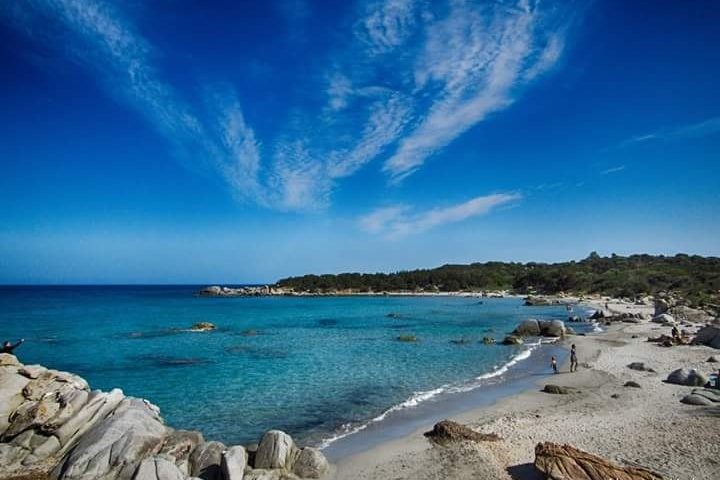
(563,462)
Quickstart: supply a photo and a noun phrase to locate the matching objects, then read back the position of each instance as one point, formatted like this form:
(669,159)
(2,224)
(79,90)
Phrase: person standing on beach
(573,359)
(553,362)
(9,347)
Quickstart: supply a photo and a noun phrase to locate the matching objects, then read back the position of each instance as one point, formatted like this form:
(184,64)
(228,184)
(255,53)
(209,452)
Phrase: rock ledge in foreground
(563,462)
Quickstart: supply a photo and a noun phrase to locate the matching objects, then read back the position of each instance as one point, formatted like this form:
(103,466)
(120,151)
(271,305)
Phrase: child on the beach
(573,359)
(553,362)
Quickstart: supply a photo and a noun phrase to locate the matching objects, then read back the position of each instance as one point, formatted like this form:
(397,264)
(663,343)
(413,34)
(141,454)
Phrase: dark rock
(512,340)
(691,378)
(556,389)
(632,384)
(448,431)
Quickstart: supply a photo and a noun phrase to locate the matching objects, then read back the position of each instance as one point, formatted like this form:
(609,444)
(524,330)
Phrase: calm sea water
(314,367)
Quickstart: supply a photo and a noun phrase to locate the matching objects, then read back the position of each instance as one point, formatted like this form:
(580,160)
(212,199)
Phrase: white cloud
(398,220)
(619,168)
(707,127)
(387,25)
(474,60)
(462,65)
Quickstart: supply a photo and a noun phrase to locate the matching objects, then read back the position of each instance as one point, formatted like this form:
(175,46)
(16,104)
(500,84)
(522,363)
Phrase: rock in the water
(158,468)
(538,301)
(488,340)
(708,335)
(632,384)
(276,450)
(448,431)
(688,377)
(205,461)
(553,328)
(512,340)
(556,389)
(528,328)
(178,445)
(693,399)
(234,461)
(310,463)
(203,327)
(116,445)
(563,462)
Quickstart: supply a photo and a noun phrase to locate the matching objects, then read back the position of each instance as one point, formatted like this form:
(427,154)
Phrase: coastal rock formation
(310,463)
(556,389)
(218,291)
(537,328)
(234,461)
(276,450)
(53,426)
(708,335)
(488,340)
(664,319)
(448,431)
(687,377)
(564,462)
(512,340)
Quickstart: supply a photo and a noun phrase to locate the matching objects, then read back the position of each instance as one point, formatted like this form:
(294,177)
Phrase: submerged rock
(563,462)
(512,340)
(202,327)
(407,338)
(488,340)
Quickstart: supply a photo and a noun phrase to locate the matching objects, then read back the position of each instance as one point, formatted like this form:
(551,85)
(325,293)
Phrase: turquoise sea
(318,368)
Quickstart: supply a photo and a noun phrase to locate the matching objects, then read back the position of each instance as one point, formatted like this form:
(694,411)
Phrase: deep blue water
(312,366)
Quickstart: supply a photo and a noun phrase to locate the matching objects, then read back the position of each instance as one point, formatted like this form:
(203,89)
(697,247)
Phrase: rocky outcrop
(687,377)
(234,461)
(708,335)
(664,319)
(218,291)
(564,462)
(276,450)
(310,463)
(53,426)
(512,340)
(537,328)
(535,301)
(448,431)
(556,389)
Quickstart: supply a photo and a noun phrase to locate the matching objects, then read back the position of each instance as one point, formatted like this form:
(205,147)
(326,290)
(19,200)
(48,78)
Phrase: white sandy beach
(646,427)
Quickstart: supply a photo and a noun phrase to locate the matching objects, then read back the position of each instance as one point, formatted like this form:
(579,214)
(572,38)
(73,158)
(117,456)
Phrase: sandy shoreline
(647,426)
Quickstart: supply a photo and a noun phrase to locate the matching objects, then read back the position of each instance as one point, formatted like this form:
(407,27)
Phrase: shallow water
(314,367)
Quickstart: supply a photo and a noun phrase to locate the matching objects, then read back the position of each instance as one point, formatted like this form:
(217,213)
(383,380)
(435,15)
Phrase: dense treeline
(693,277)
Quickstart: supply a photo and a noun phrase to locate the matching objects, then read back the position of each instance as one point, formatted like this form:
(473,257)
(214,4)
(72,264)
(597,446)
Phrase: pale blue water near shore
(317,368)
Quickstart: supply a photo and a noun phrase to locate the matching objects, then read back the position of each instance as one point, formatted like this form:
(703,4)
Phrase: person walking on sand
(553,362)
(8,347)
(573,359)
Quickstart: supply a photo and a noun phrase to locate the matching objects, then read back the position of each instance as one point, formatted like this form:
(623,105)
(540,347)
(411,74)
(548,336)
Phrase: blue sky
(187,141)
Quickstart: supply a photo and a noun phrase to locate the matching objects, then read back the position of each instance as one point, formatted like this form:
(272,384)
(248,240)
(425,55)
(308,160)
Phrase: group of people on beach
(573,361)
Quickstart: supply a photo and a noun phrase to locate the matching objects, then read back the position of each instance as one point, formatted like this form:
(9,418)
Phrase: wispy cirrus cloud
(617,169)
(451,67)
(701,129)
(400,220)
(474,62)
